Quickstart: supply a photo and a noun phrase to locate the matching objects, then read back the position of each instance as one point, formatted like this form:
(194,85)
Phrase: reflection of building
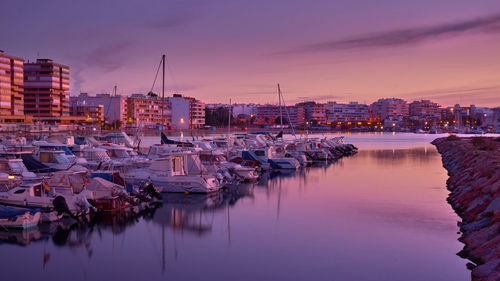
(46,91)
(11,89)
(392,109)
(145,111)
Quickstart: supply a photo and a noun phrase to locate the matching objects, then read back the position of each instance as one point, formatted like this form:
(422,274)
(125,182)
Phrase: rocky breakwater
(473,166)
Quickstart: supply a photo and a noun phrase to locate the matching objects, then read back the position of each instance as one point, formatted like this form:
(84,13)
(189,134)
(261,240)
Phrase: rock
(474,185)
(484,270)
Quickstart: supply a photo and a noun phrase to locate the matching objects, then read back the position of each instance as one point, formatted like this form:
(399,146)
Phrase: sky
(323,50)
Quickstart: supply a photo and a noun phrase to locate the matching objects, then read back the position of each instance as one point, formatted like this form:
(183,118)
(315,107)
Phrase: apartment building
(114,106)
(389,108)
(187,112)
(350,112)
(46,91)
(11,89)
(425,110)
(148,111)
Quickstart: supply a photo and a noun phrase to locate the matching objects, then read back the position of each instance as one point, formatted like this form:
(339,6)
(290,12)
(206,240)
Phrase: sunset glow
(321,50)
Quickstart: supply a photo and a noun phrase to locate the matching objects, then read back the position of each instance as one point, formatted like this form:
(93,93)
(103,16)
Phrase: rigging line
(109,103)
(156,76)
(176,88)
(286,110)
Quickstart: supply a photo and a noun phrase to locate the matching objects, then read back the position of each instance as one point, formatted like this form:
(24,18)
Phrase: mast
(163,93)
(279,101)
(229,124)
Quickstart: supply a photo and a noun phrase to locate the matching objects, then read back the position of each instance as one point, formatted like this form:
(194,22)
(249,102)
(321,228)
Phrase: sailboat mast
(279,101)
(163,93)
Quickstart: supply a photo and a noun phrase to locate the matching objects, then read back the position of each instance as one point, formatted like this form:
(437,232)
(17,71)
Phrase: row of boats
(68,177)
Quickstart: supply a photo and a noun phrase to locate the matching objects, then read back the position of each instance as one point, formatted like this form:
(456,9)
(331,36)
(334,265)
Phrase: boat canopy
(6,212)
(34,165)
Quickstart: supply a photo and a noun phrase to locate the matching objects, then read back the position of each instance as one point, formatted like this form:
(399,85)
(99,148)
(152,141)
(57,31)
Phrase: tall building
(390,109)
(187,112)
(266,114)
(297,115)
(351,112)
(46,91)
(425,110)
(196,113)
(143,111)
(114,107)
(11,89)
(314,111)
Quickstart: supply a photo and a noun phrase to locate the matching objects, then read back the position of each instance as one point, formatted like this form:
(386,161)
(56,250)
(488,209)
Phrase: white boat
(16,170)
(169,174)
(265,156)
(34,196)
(124,156)
(120,138)
(56,155)
(19,218)
(97,158)
(215,159)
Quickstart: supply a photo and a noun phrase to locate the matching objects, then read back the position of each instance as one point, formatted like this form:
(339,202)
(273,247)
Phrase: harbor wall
(473,166)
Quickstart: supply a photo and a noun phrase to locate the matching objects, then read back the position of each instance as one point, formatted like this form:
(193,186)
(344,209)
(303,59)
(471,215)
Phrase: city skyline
(322,51)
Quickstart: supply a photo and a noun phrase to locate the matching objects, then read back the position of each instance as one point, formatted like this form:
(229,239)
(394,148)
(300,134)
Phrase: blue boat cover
(6,212)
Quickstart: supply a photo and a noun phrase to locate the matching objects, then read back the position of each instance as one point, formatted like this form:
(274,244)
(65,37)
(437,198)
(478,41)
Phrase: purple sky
(339,50)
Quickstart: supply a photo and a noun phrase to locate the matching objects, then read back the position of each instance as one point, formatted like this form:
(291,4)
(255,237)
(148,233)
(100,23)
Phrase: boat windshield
(60,158)
(119,153)
(17,167)
(97,156)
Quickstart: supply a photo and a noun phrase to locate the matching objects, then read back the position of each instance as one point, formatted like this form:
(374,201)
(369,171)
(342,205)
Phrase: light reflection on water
(379,215)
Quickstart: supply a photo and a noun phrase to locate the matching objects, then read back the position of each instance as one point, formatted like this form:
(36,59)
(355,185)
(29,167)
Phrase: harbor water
(378,215)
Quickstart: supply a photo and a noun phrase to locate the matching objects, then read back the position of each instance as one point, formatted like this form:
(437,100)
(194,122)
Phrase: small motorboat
(19,218)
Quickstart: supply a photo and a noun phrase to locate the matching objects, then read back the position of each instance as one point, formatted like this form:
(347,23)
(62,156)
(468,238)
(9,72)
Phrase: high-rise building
(46,91)
(145,111)
(11,89)
(390,109)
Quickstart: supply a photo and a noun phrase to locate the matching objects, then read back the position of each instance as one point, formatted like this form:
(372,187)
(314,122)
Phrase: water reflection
(372,216)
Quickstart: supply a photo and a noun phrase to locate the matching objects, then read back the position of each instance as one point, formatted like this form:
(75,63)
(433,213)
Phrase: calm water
(379,215)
